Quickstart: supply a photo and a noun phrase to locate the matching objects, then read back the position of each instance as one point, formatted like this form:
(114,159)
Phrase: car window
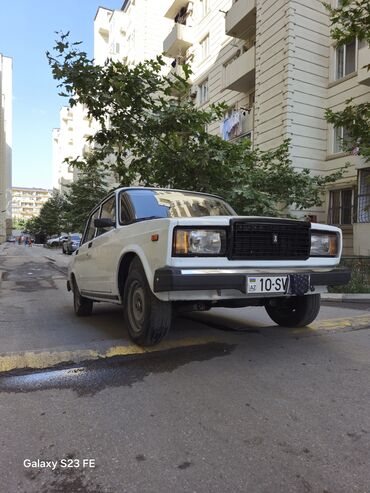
(126,212)
(148,204)
(90,228)
(108,211)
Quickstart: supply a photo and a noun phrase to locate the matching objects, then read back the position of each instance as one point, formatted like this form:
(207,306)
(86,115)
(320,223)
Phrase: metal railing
(363,215)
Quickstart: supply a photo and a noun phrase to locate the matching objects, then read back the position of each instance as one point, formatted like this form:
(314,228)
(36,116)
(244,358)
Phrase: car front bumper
(168,279)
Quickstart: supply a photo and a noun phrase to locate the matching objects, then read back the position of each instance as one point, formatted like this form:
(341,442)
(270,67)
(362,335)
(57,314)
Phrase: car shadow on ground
(108,323)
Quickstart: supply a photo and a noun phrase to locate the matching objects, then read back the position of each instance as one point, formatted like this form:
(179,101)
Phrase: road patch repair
(53,357)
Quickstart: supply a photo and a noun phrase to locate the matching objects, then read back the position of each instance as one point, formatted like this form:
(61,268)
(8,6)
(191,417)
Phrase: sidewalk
(348,297)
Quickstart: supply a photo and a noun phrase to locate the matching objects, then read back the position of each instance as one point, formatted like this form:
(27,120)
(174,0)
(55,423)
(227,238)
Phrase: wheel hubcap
(136,309)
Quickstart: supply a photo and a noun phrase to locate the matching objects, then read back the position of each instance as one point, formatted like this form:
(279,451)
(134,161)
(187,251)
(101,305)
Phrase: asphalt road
(230,404)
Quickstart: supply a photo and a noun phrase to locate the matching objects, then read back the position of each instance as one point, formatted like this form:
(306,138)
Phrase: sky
(27,31)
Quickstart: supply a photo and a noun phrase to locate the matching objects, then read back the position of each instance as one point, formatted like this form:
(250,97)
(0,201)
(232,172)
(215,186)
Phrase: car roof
(126,189)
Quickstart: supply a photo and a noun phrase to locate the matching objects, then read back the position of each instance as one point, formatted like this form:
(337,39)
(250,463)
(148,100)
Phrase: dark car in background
(71,244)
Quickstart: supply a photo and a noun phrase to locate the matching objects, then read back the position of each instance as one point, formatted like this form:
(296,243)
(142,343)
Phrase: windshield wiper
(147,218)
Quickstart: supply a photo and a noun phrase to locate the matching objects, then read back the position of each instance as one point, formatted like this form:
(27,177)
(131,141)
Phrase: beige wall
(5,146)
(361,239)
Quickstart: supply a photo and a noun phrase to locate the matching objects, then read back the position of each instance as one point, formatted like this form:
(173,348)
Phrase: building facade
(274,64)
(5,147)
(27,202)
(69,141)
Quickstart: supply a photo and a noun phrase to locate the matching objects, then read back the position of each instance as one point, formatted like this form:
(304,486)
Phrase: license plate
(271,284)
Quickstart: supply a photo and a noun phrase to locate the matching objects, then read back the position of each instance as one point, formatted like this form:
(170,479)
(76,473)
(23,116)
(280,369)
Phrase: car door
(101,251)
(84,264)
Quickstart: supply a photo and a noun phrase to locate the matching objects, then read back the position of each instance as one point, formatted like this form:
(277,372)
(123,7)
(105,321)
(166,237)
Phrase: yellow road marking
(46,359)
(335,323)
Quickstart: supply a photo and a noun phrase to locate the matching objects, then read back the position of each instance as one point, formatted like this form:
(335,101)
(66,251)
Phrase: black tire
(147,318)
(82,306)
(296,311)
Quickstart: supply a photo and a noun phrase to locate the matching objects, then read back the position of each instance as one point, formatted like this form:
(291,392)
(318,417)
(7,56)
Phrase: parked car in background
(71,244)
(158,250)
(57,241)
(11,239)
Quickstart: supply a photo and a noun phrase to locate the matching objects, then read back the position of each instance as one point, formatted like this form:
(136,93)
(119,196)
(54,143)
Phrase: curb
(351,297)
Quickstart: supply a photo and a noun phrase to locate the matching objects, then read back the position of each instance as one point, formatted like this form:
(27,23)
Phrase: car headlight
(324,244)
(199,242)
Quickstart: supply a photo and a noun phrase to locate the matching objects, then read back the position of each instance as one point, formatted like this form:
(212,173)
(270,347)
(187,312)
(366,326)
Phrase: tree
(356,119)
(82,196)
(19,224)
(51,220)
(165,138)
(349,21)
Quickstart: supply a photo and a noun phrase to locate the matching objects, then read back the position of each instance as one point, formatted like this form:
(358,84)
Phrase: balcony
(363,75)
(178,41)
(175,7)
(240,74)
(240,21)
(102,20)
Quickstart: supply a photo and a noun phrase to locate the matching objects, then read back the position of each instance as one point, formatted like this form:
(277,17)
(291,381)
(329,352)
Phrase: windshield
(75,237)
(171,203)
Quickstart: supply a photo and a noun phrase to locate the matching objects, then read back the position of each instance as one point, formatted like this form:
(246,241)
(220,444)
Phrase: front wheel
(83,306)
(147,318)
(296,311)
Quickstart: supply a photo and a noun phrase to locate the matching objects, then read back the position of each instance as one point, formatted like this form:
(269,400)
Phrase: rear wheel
(83,306)
(147,318)
(296,311)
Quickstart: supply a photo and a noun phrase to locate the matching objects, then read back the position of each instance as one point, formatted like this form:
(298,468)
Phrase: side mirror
(104,222)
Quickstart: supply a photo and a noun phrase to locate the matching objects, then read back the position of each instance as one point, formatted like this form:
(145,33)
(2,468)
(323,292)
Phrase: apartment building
(69,141)
(5,147)
(276,67)
(274,64)
(131,35)
(27,202)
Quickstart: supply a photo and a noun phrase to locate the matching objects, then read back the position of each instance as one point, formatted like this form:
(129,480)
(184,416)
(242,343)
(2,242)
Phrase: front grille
(269,240)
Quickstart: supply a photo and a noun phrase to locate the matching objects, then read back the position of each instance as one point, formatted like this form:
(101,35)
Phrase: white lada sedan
(157,250)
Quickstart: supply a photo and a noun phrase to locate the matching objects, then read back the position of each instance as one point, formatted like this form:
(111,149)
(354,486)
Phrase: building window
(364,196)
(345,59)
(204,47)
(203,95)
(340,140)
(341,206)
(205,5)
